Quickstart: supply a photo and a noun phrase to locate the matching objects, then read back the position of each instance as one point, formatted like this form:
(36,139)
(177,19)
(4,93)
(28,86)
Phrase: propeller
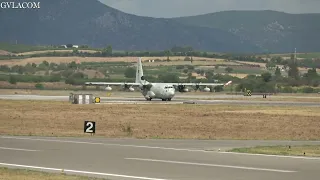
(145,84)
(197,87)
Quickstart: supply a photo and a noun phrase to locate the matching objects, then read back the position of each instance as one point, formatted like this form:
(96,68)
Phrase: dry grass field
(306,150)
(47,51)
(38,60)
(4,53)
(21,174)
(239,75)
(45,118)
(201,64)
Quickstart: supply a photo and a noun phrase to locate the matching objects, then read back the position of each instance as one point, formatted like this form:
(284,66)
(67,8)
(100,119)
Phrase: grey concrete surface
(174,101)
(155,159)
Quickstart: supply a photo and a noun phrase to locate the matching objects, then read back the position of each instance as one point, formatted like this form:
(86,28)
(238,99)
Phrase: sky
(178,8)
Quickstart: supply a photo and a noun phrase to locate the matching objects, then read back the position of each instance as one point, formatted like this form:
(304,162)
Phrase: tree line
(266,82)
(175,51)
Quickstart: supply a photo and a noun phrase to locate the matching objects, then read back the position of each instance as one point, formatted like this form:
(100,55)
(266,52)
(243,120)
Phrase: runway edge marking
(78,171)
(212,165)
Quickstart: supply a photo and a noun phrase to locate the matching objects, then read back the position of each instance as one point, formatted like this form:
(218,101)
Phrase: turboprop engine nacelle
(131,89)
(108,88)
(206,89)
(151,94)
(182,88)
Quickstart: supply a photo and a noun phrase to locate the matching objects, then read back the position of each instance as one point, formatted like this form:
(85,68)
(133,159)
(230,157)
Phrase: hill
(270,30)
(92,23)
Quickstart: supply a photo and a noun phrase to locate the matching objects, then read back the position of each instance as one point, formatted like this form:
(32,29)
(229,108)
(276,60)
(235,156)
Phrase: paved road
(126,100)
(154,159)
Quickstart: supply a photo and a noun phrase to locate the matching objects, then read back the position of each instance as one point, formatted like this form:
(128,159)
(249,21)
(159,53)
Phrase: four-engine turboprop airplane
(164,91)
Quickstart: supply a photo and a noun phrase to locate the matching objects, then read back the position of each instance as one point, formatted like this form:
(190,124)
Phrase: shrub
(39,86)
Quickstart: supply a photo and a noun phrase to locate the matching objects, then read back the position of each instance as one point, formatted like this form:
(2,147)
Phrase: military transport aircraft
(164,91)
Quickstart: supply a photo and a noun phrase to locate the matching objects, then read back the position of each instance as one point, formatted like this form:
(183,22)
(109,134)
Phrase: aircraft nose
(171,93)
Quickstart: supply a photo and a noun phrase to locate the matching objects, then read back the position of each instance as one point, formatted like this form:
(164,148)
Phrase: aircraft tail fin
(139,73)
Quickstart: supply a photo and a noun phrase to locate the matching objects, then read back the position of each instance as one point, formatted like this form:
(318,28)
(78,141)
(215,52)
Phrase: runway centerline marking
(212,165)
(17,149)
(80,172)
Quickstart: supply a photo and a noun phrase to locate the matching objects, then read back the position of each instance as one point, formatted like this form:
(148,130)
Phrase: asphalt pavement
(177,100)
(154,159)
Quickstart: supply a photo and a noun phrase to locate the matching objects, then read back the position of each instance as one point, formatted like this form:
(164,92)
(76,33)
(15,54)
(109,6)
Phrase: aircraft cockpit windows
(168,87)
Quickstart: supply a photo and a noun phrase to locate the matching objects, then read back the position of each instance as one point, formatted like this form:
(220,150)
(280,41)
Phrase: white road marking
(137,102)
(212,165)
(106,144)
(80,172)
(270,155)
(17,149)
(157,147)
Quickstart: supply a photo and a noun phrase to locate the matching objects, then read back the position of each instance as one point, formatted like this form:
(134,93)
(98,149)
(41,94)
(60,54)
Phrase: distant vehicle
(164,91)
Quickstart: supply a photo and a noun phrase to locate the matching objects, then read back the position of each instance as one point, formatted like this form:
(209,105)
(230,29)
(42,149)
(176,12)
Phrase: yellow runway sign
(97,100)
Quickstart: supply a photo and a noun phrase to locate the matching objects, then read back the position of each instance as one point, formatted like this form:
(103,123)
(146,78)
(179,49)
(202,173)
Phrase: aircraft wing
(111,83)
(201,84)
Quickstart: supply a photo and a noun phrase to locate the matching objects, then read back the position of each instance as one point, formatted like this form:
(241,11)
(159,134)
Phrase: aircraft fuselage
(159,91)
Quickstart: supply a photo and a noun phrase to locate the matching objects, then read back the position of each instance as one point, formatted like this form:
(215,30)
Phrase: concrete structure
(81,98)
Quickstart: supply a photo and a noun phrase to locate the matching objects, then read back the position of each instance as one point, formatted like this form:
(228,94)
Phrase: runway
(153,159)
(177,100)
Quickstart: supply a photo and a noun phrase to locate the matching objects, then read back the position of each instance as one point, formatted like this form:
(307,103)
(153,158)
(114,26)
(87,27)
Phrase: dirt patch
(93,73)
(4,53)
(18,174)
(160,121)
(239,75)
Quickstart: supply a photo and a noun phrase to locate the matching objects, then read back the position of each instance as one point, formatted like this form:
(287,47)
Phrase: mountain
(92,23)
(270,30)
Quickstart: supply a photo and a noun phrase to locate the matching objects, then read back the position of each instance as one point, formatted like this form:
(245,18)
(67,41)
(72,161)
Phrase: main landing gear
(149,99)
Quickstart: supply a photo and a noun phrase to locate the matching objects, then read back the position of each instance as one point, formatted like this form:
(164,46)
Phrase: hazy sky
(175,8)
